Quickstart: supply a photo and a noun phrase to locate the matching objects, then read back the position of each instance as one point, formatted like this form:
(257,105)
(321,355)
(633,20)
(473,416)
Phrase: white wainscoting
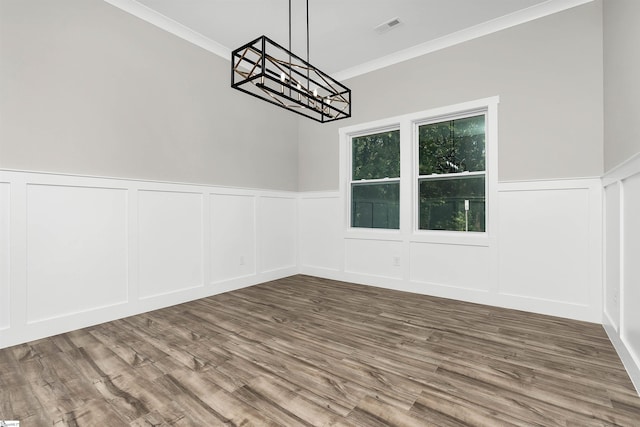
(4,255)
(278,227)
(613,236)
(372,257)
(233,231)
(320,243)
(76,251)
(622,269)
(543,255)
(549,245)
(438,264)
(170,242)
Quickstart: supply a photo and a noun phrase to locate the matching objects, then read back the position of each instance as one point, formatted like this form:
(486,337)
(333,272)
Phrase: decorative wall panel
(622,251)
(542,254)
(544,244)
(277,233)
(319,233)
(233,236)
(612,253)
(630,299)
(465,267)
(5,200)
(381,258)
(76,249)
(170,233)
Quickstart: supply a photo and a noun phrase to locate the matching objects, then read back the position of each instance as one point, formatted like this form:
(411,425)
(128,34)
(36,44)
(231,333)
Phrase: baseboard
(633,369)
(76,251)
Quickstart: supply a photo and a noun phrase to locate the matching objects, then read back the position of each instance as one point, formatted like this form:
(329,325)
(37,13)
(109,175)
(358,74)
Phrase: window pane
(376,156)
(442,204)
(452,146)
(375,205)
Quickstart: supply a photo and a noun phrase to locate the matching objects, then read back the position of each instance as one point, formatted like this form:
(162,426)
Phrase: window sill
(433,237)
(451,238)
(373,234)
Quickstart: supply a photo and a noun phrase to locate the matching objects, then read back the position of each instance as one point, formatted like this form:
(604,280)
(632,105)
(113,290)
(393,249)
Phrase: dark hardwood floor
(307,351)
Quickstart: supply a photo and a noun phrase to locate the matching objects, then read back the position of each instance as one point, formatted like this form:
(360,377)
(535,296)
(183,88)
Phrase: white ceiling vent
(387,25)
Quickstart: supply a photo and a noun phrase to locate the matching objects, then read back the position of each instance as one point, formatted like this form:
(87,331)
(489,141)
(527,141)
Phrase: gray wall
(621,81)
(548,74)
(86,88)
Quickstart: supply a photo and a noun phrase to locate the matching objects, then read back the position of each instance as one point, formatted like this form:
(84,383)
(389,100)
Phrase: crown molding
(516,18)
(159,20)
(511,20)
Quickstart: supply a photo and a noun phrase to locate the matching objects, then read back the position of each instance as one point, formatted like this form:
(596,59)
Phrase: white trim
(318,194)
(490,145)
(556,181)
(408,124)
(451,175)
(375,181)
(169,25)
(389,244)
(498,24)
(618,332)
(547,184)
(606,243)
(516,18)
(384,236)
(630,364)
(81,311)
(158,185)
(626,169)
(622,252)
(363,231)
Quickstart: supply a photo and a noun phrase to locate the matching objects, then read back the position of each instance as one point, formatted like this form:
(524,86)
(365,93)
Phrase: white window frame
(371,181)
(409,202)
(416,168)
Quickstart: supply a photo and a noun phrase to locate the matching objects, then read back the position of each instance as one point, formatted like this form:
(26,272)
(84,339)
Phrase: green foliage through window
(376,156)
(375,203)
(442,204)
(453,146)
(452,175)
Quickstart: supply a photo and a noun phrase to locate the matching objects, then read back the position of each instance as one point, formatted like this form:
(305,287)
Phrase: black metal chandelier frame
(266,70)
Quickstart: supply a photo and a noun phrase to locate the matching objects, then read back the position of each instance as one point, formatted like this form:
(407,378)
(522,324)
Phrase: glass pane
(442,204)
(452,146)
(376,156)
(375,205)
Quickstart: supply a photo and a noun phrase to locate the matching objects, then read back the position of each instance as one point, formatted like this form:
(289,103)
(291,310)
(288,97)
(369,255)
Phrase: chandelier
(266,70)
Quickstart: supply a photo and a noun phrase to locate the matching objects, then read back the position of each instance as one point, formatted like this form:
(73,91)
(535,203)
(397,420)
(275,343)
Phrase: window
(431,175)
(451,174)
(375,180)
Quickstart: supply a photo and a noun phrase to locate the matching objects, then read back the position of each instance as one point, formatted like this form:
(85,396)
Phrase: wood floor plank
(317,352)
(299,403)
(265,405)
(372,412)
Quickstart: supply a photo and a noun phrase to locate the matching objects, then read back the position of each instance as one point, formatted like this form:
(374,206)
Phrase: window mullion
(451,175)
(406,176)
(375,181)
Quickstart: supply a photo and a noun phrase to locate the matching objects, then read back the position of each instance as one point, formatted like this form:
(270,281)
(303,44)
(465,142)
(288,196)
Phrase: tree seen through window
(375,180)
(451,182)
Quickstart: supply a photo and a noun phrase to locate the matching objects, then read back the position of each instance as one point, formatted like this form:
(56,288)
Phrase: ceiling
(343,41)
